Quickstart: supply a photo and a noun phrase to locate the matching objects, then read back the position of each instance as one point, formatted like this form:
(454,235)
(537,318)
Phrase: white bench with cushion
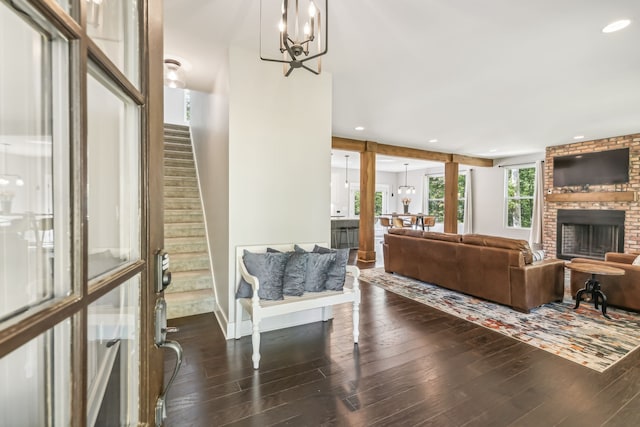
(259,309)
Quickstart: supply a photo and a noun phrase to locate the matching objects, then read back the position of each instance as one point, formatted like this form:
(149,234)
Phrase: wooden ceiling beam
(412,153)
(472,161)
(348,144)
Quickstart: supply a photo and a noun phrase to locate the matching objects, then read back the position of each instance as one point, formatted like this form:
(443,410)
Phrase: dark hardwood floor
(414,366)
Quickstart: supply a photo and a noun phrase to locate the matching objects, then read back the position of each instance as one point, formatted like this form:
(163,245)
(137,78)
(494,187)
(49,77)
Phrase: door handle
(161,404)
(161,341)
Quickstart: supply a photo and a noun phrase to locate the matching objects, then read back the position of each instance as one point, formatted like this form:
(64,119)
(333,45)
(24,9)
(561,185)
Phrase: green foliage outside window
(435,202)
(377,208)
(520,187)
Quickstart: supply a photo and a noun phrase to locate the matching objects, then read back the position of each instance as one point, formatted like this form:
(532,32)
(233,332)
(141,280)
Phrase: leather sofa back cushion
(447,237)
(500,242)
(406,232)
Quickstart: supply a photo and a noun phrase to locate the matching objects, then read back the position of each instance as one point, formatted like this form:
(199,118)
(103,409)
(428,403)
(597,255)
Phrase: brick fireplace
(615,197)
(589,233)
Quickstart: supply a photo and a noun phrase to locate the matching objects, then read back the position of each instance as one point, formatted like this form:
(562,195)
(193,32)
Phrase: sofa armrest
(621,258)
(536,284)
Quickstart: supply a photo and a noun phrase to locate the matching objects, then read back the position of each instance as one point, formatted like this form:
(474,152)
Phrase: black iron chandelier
(302,33)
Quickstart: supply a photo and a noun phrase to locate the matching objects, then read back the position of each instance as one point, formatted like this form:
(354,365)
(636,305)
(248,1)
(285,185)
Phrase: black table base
(592,287)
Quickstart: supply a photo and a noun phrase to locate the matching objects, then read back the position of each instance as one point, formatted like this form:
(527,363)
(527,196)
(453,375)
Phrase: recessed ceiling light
(433,141)
(616,26)
(359,128)
(578,137)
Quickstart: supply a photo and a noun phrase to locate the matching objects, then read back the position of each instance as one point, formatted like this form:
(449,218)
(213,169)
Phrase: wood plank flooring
(414,366)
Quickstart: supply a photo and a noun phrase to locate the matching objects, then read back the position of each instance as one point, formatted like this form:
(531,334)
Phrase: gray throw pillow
(269,269)
(244,289)
(318,266)
(295,274)
(338,270)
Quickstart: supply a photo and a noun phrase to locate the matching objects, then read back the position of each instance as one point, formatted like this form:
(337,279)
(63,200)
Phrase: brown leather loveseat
(621,291)
(493,268)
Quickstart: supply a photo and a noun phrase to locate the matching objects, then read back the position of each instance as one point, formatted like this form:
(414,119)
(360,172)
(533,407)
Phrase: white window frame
(382,188)
(425,196)
(507,198)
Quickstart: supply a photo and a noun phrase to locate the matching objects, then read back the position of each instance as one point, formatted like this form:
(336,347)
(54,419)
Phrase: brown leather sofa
(621,291)
(494,268)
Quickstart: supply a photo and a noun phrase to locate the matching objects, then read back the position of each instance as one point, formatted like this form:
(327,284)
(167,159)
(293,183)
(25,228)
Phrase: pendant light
(346,171)
(406,189)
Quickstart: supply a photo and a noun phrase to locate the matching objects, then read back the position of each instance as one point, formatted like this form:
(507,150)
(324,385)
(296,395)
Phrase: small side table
(592,286)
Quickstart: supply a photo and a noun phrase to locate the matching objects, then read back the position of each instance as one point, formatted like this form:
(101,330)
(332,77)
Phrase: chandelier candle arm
(299,36)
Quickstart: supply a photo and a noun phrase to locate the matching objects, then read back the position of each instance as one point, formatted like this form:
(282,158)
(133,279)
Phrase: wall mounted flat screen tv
(599,168)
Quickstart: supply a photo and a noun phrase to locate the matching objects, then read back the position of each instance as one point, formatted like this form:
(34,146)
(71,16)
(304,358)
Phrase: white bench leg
(327,313)
(356,321)
(238,328)
(255,339)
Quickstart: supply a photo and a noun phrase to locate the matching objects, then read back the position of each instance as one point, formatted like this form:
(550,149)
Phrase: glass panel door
(76,237)
(114,25)
(113,357)
(34,153)
(113,136)
(35,381)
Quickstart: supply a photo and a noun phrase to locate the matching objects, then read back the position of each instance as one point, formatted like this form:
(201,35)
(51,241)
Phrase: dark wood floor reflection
(414,366)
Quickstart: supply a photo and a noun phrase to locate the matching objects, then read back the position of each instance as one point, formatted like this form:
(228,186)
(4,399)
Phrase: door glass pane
(34,152)
(113,25)
(35,381)
(113,357)
(65,4)
(113,176)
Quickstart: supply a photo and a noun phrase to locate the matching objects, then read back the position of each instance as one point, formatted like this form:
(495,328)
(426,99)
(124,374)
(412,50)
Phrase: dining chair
(385,222)
(428,221)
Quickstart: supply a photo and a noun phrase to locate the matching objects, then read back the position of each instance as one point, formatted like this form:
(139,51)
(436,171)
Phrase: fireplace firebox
(589,233)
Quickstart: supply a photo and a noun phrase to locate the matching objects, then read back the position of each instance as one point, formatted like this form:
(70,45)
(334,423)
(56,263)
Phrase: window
(435,196)
(519,185)
(378,203)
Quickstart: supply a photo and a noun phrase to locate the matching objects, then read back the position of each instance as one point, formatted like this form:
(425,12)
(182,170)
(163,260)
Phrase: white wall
(263,152)
(210,134)
(489,199)
(174,106)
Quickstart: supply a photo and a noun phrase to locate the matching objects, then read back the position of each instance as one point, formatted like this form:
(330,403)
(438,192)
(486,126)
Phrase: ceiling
(492,78)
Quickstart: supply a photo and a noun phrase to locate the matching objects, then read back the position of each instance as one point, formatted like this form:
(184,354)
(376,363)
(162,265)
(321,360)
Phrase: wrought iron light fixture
(174,75)
(406,189)
(346,171)
(302,33)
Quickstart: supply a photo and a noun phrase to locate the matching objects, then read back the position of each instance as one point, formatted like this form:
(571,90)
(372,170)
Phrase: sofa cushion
(500,242)
(447,237)
(406,232)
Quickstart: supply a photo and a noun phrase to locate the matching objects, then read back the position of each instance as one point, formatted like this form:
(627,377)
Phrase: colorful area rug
(583,336)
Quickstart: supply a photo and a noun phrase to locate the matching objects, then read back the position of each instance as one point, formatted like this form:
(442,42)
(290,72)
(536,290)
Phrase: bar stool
(346,232)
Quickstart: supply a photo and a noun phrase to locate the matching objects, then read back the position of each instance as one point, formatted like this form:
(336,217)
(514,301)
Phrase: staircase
(185,239)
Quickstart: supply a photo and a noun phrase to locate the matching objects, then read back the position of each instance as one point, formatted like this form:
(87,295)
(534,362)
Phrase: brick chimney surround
(595,197)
